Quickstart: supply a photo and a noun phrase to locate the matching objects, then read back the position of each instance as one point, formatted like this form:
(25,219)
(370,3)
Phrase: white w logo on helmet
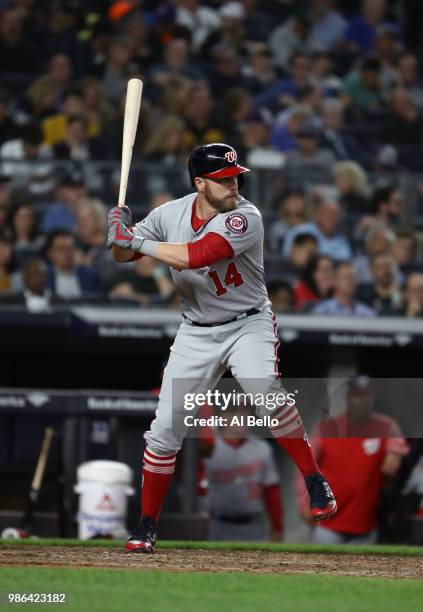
(231,156)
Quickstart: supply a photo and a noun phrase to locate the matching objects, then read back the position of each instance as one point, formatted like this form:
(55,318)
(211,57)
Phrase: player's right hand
(120,215)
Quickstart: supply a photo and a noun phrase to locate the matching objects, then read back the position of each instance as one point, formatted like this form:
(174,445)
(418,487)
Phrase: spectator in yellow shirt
(56,126)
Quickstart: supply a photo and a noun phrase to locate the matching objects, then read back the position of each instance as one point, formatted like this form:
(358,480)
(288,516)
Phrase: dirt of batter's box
(261,562)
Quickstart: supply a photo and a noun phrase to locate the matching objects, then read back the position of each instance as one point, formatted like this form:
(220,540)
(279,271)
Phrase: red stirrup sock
(290,434)
(156,476)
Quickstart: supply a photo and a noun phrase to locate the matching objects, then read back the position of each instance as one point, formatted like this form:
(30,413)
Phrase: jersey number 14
(232,277)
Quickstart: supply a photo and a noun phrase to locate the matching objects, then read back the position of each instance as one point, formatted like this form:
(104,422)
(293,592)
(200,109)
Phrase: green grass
(271,547)
(102,590)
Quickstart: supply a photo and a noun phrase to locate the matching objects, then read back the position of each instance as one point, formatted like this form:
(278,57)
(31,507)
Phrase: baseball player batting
(212,240)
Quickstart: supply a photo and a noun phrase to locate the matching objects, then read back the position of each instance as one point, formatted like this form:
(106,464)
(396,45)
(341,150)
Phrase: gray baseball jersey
(247,346)
(237,475)
(228,287)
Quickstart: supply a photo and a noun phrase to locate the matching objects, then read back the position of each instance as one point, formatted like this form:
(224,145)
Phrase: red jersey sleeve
(208,250)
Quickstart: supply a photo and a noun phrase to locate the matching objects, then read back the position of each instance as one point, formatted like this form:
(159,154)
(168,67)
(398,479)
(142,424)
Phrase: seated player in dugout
(241,482)
(212,241)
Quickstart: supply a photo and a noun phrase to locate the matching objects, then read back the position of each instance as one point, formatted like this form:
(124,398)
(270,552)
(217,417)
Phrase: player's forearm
(174,255)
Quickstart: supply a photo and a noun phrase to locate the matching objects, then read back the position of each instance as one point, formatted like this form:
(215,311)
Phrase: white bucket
(103,487)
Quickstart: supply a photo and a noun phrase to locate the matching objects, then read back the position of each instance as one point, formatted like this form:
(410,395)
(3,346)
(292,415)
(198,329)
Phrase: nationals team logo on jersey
(371,446)
(236,223)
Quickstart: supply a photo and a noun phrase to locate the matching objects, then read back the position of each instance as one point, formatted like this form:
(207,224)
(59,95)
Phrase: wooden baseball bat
(130,123)
(37,480)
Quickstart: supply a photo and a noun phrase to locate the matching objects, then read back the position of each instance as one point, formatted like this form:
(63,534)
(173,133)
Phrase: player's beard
(221,204)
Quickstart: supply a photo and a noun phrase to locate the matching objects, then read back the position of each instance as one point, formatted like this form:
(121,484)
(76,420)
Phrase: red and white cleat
(322,500)
(144,537)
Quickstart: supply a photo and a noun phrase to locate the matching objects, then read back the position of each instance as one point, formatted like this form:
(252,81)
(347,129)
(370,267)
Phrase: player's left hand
(119,235)
(122,237)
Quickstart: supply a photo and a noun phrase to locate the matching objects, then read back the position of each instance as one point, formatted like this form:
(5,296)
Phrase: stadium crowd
(329,93)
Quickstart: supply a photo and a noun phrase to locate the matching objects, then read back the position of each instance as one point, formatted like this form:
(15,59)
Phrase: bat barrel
(130,123)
